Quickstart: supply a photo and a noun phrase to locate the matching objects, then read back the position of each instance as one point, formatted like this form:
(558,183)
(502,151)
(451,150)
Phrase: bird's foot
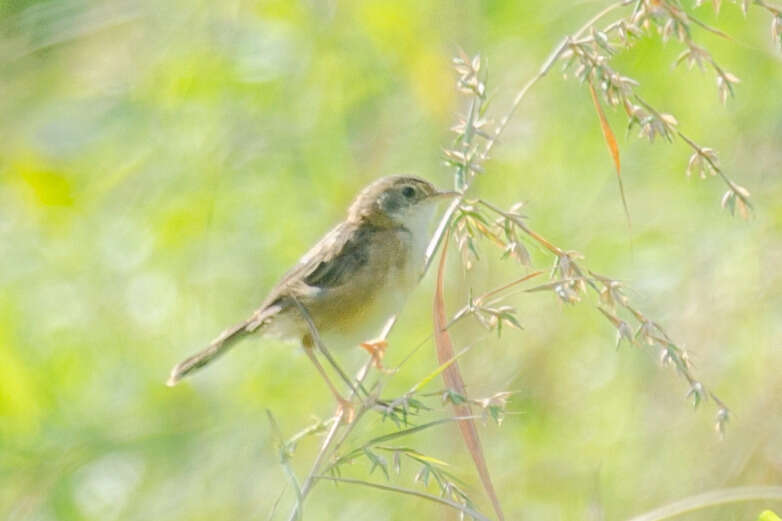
(377,349)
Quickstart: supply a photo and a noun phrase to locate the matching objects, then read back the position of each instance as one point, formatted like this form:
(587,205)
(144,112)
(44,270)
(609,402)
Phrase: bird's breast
(358,311)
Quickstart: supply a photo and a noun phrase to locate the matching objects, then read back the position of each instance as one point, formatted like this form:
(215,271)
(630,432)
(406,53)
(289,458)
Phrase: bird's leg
(344,406)
(377,349)
(313,338)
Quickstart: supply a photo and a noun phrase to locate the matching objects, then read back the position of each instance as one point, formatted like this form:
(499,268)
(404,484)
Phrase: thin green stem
(410,492)
(711,499)
(309,481)
(601,14)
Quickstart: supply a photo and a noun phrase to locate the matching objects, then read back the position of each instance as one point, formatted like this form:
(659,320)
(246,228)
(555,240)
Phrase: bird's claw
(377,349)
(346,410)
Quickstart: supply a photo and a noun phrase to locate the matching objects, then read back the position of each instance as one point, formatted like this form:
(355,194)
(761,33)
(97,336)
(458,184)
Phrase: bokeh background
(163,163)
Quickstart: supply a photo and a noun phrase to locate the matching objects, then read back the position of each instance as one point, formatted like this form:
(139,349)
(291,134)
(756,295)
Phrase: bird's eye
(408,192)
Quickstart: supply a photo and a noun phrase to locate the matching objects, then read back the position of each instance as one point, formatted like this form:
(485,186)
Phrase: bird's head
(398,200)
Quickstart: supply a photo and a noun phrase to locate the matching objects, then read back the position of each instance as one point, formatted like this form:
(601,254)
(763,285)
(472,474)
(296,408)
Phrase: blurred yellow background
(163,163)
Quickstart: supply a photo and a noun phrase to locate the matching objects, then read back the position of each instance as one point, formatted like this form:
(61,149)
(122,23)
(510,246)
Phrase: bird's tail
(219,346)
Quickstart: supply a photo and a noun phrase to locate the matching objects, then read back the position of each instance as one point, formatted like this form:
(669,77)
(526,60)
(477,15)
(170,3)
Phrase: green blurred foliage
(162,164)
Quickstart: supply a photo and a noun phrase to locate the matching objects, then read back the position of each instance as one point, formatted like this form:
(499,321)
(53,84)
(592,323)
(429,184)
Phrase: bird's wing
(342,256)
(328,264)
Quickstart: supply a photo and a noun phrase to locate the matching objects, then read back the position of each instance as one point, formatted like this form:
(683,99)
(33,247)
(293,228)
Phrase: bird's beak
(446,194)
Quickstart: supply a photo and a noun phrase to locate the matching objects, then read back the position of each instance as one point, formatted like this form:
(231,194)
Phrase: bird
(350,283)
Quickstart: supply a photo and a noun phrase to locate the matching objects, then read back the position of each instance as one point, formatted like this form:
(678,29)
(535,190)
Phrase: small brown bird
(351,282)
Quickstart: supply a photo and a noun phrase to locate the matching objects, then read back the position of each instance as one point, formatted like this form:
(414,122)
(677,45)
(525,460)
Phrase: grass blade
(390,437)
(613,148)
(442,367)
(453,379)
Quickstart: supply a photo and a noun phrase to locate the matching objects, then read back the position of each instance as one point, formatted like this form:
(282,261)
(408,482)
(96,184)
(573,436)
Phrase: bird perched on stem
(350,283)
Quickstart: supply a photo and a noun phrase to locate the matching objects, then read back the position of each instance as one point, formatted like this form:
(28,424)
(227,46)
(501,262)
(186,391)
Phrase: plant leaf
(613,148)
(390,437)
(442,367)
(453,379)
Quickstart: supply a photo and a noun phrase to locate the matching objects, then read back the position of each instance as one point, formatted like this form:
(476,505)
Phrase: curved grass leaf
(453,380)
